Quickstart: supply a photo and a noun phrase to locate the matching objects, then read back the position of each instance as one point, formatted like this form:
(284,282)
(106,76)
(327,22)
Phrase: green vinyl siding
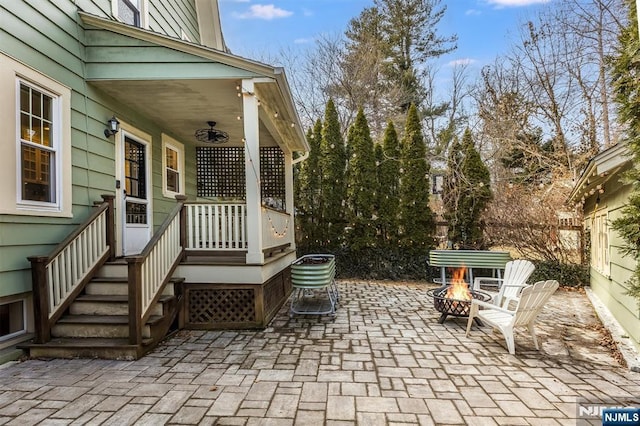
(612,289)
(48,36)
(170,17)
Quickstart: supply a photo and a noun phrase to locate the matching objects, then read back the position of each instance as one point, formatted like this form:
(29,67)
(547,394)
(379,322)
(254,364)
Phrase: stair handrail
(58,278)
(150,271)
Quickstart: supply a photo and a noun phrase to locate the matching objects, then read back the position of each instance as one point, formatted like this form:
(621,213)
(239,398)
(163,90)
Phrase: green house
(146,177)
(601,193)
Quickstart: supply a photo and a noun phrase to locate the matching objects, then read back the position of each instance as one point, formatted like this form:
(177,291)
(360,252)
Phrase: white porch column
(288,180)
(252,173)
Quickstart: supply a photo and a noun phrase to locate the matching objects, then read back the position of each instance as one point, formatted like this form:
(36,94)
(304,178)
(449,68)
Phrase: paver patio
(383,360)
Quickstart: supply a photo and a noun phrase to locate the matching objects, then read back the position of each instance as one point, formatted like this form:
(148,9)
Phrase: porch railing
(216,227)
(275,228)
(59,277)
(150,271)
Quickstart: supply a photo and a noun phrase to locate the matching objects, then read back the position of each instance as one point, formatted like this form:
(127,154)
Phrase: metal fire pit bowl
(457,308)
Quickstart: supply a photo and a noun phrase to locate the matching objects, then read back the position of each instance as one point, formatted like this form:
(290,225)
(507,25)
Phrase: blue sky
(258,29)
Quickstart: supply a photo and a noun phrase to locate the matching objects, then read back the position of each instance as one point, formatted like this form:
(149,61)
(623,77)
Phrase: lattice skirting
(221,306)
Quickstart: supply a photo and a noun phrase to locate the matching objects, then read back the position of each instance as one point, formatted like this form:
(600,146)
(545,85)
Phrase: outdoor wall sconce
(113,126)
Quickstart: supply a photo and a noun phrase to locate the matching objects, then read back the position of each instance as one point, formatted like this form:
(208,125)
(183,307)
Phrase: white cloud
(472,12)
(264,11)
(303,40)
(515,3)
(307,12)
(461,62)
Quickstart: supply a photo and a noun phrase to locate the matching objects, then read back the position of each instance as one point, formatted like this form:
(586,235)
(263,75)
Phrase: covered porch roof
(182,85)
(599,170)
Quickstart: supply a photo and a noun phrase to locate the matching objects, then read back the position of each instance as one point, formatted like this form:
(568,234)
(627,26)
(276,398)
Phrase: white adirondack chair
(531,301)
(516,274)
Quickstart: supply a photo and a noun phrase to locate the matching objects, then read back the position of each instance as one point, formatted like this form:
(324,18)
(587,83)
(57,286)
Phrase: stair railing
(59,277)
(150,271)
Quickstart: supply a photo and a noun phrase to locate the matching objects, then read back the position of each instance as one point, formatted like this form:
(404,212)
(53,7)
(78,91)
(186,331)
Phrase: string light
(278,234)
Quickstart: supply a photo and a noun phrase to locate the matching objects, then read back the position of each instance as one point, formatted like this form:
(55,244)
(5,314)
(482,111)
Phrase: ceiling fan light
(211,135)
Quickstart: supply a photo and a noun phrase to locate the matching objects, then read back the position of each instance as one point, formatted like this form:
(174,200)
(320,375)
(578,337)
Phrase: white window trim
(11,73)
(24,320)
(169,142)
(144,12)
(54,148)
(600,242)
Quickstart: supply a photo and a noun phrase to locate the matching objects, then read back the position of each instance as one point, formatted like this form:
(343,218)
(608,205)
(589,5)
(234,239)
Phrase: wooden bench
(468,259)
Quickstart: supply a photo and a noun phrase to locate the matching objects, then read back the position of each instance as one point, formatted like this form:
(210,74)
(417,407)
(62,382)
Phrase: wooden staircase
(96,324)
(87,303)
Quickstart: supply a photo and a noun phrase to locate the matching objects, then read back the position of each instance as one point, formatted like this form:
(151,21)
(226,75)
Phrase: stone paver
(383,360)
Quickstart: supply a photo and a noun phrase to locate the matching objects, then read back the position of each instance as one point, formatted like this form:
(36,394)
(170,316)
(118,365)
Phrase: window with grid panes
(600,242)
(172,169)
(37,145)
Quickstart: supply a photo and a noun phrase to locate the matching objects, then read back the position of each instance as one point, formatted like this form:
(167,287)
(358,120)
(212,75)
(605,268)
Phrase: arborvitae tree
(472,193)
(362,182)
(388,158)
(626,69)
(332,166)
(416,218)
(308,202)
(451,188)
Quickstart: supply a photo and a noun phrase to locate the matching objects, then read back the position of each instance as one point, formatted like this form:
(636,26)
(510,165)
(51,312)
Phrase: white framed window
(132,12)
(172,167)
(35,170)
(38,115)
(600,242)
(13,319)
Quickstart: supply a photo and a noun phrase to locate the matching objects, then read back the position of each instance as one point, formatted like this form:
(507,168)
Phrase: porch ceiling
(181,85)
(183,106)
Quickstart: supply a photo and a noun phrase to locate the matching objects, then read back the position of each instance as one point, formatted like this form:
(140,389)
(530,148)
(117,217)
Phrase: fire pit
(450,306)
(455,299)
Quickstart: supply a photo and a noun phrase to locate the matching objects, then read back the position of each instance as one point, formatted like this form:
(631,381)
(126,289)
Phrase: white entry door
(135,193)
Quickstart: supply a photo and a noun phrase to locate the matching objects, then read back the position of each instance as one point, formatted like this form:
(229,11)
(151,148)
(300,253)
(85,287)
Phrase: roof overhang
(181,85)
(599,170)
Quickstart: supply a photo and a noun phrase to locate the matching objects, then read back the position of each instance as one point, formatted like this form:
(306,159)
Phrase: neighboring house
(134,227)
(601,192)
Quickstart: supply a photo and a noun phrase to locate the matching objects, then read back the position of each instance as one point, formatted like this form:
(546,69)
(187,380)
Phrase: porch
(195,273)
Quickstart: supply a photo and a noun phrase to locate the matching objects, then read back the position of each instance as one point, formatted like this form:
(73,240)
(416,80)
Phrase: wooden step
(120,286)
(111,304)
(102,326)
(117,348)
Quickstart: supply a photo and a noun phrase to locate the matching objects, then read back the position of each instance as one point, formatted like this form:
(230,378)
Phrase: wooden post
(40,298)
(111,225)
(135,299)
(183,224)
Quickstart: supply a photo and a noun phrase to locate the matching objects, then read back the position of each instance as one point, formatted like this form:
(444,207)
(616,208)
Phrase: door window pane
(134,169)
